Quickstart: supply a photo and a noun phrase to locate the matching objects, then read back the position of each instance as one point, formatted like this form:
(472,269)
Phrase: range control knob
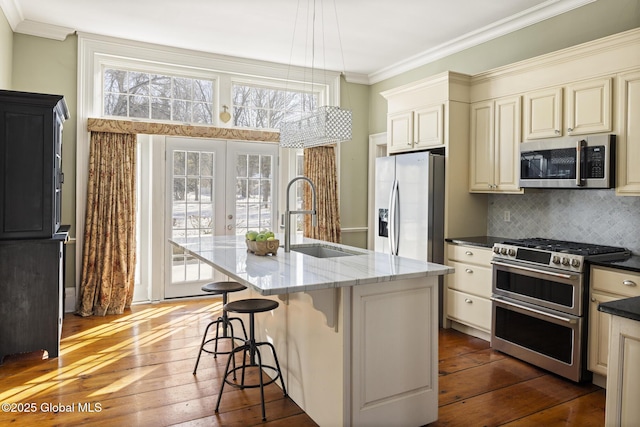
(512,252)
(555,259)
(503,251)
(496,250)
(575,263)
(565,261)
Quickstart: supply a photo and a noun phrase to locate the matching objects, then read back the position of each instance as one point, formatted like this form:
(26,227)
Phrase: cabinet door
(429,126)
(481,162)
(507,139)
(589,107)
(628,140)
(400,131)
(598,334)
(543,113)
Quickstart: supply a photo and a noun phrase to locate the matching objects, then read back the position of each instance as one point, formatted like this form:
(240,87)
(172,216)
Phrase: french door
(214,187)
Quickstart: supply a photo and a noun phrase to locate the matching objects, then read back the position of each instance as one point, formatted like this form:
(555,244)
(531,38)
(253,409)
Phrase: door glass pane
(254,181)
(192,209)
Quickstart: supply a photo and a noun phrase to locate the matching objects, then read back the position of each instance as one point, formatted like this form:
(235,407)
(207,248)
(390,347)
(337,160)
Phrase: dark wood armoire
(31,235)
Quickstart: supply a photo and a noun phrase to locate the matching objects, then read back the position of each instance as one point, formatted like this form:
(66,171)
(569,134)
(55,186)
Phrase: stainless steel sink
(323,251)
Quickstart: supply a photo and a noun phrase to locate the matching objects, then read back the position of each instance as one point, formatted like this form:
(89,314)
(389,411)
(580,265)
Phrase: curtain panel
(320,167)
(109,248)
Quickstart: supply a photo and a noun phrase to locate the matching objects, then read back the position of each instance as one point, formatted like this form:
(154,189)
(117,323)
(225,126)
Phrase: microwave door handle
(581,159)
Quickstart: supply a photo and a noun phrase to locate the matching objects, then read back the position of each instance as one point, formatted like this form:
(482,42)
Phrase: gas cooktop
(563,246)
(556,253)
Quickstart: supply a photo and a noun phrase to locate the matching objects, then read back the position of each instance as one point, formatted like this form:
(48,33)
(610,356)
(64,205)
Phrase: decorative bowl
(264,247)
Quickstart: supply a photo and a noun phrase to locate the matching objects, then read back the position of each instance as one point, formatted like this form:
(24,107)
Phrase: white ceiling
(377,38)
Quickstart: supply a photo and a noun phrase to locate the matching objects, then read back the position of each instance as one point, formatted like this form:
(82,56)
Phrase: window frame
(95,51)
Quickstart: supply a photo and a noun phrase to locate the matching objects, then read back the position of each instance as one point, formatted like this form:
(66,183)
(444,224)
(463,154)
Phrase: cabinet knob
(569,129)
(593,299)
(468,253)
(629,283)
(557,132)
(468,270)
(468,301)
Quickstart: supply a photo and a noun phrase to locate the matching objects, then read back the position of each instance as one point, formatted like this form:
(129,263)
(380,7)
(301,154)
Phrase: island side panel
(395,353)
(310,352)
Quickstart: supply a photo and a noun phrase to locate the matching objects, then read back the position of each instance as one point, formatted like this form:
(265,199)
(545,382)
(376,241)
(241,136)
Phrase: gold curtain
(320,167)
(109,252)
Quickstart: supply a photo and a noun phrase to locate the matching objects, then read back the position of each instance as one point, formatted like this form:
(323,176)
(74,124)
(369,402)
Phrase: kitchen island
(356,332)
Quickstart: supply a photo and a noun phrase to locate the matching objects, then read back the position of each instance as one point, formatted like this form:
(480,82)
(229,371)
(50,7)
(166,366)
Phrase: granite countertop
(628,307)
(631,264)
(482,241)
(295,272)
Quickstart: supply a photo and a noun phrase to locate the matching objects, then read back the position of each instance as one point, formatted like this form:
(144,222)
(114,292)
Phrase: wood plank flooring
(136,370)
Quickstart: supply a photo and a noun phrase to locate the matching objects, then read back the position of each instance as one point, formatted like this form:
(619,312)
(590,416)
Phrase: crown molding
(531,16)
(12,12)
(40,29)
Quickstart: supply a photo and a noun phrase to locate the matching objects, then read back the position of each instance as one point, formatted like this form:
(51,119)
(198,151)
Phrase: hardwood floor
(482,387)
(136,370)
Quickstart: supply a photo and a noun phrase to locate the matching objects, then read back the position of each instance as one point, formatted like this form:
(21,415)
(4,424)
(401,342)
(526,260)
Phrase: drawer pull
(468,301)
(629,283)
(468,253)
(468,270)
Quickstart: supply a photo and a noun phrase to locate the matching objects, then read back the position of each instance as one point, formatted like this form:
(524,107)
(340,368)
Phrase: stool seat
(217,288)
(252,305)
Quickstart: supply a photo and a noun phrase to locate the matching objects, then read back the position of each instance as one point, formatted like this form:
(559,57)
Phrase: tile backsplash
(589,216)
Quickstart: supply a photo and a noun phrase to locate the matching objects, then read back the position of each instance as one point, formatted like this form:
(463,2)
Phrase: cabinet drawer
(469,309)
(470,278)
(470,254)
(620,282)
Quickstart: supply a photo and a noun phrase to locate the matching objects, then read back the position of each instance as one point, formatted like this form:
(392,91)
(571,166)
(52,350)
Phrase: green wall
(593,21)
(6,52)
(49,66)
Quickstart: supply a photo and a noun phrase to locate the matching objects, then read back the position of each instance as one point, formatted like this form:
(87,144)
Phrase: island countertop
(295,272)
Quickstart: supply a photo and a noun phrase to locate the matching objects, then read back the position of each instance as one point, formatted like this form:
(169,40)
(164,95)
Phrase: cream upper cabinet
(495,136)
(628,138)
(416,129)
(543,114)
(607,284)
(587,109)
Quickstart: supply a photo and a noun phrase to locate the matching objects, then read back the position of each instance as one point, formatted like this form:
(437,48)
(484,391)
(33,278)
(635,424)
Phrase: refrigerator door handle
(393,226)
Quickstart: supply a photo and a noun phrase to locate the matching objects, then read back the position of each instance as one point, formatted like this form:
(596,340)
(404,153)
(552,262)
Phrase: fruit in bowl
(262,243)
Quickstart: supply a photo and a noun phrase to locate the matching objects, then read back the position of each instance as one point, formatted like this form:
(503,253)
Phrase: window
(145,95)
(262,107)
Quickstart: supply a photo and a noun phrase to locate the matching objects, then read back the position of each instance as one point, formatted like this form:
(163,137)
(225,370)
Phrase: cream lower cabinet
(469,288)
(495,136)
(607,284)
(587,109)
(622,406)
(628,141)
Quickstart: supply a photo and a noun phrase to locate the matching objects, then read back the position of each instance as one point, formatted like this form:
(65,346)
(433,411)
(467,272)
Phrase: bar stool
(251,306)
(221,288)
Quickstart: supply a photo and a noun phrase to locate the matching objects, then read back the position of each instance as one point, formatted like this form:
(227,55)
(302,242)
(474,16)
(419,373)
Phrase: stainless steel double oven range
(540,301)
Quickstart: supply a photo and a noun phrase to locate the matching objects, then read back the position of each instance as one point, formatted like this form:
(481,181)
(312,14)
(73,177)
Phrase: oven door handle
(535,270)
(532,310)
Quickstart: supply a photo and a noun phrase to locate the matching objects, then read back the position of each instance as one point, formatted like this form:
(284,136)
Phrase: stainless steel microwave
(586,161)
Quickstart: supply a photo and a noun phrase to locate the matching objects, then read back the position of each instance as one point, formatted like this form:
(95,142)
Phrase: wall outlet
(507,216)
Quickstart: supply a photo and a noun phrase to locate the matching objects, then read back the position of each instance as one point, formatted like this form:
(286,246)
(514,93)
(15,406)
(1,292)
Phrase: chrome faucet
(288,213)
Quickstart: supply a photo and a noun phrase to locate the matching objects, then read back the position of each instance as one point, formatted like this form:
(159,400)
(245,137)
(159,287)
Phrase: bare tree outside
(158,97)
(265,108)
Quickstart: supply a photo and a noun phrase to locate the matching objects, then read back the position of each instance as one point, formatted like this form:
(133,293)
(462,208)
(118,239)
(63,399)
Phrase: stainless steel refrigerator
(409,205)
(409,201)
